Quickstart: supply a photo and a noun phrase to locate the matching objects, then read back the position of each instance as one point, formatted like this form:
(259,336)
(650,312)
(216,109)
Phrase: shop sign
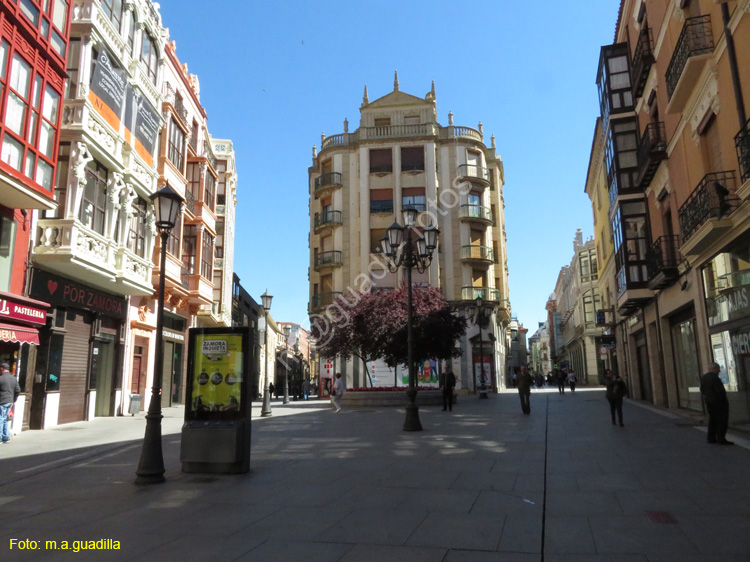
(740,343)
(173,335)
(731,304)
(63,292)
(22,312)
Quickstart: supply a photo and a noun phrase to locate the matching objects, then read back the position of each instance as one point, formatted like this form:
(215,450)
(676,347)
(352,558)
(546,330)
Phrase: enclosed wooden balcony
(651,151)
(694,49)
(321,300)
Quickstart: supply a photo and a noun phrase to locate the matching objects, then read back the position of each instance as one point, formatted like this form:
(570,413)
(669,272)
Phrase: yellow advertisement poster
(217,375)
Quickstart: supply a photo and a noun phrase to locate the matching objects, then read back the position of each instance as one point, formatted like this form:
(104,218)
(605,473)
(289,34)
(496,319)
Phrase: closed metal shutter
(74,368)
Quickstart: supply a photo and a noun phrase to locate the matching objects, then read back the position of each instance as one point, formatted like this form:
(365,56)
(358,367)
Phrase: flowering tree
(373,326)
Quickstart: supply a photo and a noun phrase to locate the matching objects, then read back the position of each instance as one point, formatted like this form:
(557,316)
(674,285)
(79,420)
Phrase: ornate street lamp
(413,254)
(266,408)
(167,208)
(480,313)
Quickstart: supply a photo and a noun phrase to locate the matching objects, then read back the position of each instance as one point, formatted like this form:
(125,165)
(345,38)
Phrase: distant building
(400,156)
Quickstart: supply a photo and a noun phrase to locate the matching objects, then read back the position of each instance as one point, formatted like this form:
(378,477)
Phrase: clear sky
(275,75)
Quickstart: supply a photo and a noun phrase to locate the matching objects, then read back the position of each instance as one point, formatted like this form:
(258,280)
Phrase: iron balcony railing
(742,142)
(482,253)
(328,258)
(663,257)
(189,201)
(643,59)
(381,207)
(695,39)
(327,218)
(713,198)
(327,180)
(476,212)
(487,294)
(474,171)
(323,299)
(651,151)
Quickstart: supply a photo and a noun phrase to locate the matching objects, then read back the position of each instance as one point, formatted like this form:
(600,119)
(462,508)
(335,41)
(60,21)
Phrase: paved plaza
(484,483)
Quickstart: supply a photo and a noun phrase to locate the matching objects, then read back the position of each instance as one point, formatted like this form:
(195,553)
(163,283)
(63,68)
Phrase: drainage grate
(661,517)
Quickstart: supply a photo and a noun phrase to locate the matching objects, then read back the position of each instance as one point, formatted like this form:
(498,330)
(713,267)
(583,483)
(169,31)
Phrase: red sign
(22,312)
(65,292)
(18,334)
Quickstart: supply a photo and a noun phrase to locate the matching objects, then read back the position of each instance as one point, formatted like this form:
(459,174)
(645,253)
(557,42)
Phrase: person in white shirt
(338,392)
(572,380)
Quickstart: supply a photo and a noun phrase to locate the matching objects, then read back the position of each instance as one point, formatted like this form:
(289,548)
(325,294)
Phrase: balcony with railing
(487,293)
(474,172)
(416,130)
(693,50)
(322,300)
(742,143)
(189,201)
(476,213)
(651,151)
(662,262)
(643,59)
(325,260)
(478,254)
(704,216)
(326,220)
(326,183)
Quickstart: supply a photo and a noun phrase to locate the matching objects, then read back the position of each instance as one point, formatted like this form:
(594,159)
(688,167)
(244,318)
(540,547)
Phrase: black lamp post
(266,408)
(167,207)
(409,257)
(480,313)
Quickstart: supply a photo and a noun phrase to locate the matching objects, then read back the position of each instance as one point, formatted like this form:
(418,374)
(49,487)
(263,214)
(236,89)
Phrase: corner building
(360,181)
(674,87)
(33,52)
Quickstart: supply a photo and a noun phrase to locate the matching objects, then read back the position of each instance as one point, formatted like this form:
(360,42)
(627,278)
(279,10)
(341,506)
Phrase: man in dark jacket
(524,389)
(9,391)
(717,405)
(447,383)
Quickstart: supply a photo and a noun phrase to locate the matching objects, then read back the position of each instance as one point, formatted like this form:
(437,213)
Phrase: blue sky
(275,75)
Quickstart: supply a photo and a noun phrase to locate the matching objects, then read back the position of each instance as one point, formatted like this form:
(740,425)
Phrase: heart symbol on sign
(52,287)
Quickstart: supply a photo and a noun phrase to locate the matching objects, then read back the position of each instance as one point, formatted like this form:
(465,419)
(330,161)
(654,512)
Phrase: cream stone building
(401,156)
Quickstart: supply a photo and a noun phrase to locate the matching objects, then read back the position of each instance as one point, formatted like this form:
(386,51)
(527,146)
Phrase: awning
(18,334)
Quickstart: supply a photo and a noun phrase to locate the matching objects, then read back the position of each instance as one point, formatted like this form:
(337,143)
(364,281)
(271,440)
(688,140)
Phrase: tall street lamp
(266,409)
(480,313)
(414,254)
(167,207)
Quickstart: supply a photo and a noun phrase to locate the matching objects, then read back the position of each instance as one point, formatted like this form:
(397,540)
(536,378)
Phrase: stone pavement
(481,484)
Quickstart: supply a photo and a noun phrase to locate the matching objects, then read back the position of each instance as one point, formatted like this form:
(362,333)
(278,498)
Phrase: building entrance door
(172,374)
(102,375)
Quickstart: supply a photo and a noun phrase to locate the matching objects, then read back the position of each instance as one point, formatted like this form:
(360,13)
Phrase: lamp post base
(483,393)
(266,409)
(151,465)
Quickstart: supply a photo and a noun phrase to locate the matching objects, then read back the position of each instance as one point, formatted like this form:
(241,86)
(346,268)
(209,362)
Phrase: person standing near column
(9,391)
(524,389)
(717,405)
(447,383)
(338,392)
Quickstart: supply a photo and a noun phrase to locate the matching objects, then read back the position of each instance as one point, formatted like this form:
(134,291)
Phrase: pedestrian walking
(524,389)
(539,380)
(338,392)
(9,392)
(306,389)
(572,380)
(717,405)
(616,392)
(447,383)
(271,390)
(560,377)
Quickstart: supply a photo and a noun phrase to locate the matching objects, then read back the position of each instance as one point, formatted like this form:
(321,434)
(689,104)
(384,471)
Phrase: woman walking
(616,391)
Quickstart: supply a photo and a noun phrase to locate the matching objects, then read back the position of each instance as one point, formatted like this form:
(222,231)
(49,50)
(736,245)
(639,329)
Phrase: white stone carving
(101,135)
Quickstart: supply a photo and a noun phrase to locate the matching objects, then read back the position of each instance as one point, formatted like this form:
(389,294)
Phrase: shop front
(175,328)
(20,320)
(78,372)
(726,280)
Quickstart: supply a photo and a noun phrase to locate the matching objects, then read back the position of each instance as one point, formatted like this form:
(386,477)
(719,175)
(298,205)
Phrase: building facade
(673,91)
(34,45)
(400,156)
